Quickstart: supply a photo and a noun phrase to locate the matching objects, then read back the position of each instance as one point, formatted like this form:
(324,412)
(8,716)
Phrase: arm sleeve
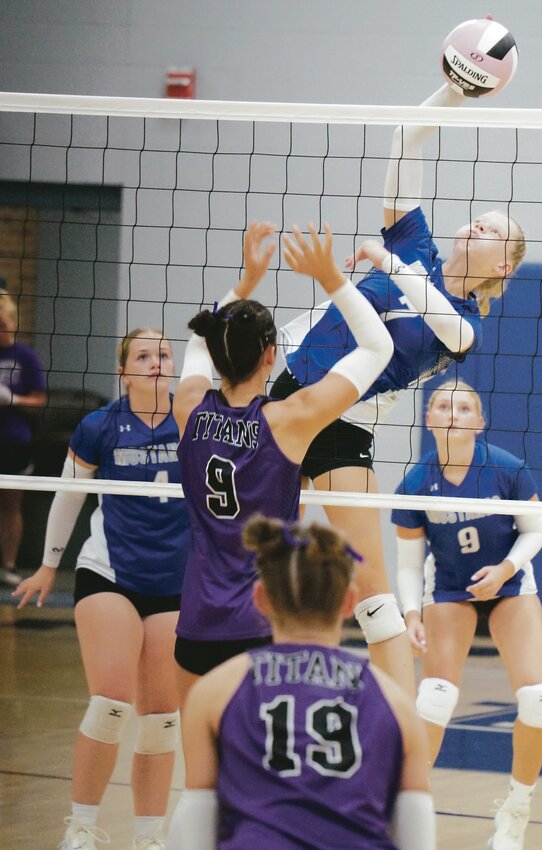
(410,561)
(375,346)
(529,540)
(197,360)
(63,514)
(194,823)
(413,825)
(403,184)
(453,330)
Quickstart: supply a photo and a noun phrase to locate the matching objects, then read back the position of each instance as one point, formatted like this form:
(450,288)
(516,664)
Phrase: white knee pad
(436,700)
(157,733)
(380,618)
(104,719)
(530,705)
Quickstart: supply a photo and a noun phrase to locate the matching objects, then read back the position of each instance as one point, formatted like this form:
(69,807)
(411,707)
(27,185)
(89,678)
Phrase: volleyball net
(118,213)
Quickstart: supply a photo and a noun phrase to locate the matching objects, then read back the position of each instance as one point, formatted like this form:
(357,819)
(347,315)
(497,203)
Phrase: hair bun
(204,323)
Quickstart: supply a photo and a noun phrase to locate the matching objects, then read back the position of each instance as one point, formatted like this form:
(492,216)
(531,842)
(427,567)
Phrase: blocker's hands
(256,256)
(314,258)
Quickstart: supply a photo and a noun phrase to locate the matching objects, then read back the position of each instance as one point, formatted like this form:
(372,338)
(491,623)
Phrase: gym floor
(43,697)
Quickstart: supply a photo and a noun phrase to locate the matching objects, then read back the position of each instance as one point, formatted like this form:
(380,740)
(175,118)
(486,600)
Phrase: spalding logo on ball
(479,57)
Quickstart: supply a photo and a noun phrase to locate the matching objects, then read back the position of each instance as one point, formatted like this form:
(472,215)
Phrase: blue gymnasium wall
(507,372)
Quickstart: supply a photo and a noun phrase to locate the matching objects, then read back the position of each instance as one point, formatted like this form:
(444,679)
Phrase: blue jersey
(138,542)
(231,469)
(314,347)
(461,542)
(310,754)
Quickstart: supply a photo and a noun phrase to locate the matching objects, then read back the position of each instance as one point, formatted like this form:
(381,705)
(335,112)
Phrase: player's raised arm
(197,372)
(349,377)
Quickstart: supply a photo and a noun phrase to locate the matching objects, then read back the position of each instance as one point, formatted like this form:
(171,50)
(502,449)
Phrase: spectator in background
(22,387)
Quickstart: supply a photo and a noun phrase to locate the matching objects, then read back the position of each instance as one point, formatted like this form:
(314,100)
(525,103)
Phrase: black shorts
(87,583)
(484,608)
(200,656)
(339,444)
(15,459)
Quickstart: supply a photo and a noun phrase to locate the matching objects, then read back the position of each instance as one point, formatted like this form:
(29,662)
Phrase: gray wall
(300,51)
(351,51)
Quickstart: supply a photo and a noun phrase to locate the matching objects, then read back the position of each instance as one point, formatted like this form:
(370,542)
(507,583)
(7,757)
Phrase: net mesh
(123,213)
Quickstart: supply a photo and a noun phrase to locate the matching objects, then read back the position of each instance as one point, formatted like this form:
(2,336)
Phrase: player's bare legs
(11,527)
(516,627)
(362,528)
(156,694)
(449,632)
(110,634)
(184,680)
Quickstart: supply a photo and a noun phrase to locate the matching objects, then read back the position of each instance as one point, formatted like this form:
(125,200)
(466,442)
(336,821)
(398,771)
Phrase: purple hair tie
(302,542)
(296,542)
(353,554)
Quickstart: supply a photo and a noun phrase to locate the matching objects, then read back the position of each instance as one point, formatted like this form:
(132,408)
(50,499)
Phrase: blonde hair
(123,347)
(457,386)
(495,287)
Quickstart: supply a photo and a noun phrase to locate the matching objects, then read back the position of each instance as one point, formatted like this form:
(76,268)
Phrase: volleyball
(479,57)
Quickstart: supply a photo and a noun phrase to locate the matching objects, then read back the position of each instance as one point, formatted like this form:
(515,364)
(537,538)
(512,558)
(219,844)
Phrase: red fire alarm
(181,82)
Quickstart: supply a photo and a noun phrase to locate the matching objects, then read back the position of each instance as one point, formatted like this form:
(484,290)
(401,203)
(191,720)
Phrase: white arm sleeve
(197,361)
(403,185)
(413,823)
(194,822)
(410,561)
(375,346)
(452,329)
(529,541)
(63,514)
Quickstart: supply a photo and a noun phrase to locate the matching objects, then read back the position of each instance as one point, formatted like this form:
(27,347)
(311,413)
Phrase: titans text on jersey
(223,429)
(278,668)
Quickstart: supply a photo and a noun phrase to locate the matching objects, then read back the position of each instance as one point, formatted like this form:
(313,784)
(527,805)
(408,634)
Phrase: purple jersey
(21,371)
(310,754)
(231,468)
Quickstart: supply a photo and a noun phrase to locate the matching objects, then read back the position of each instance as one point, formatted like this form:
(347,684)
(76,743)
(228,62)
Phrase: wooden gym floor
(43,697)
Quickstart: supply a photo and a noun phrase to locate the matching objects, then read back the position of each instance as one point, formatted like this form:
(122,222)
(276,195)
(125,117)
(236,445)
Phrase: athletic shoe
(9,577)
(149,843)
(82,836)
(510,826)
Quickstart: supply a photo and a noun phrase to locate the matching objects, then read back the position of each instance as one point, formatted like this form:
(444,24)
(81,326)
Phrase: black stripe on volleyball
(502,47)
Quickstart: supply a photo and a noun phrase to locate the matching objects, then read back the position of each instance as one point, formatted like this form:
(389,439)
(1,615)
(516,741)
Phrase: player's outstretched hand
(256,255)
(314,258)
(41,583)
(370,249)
